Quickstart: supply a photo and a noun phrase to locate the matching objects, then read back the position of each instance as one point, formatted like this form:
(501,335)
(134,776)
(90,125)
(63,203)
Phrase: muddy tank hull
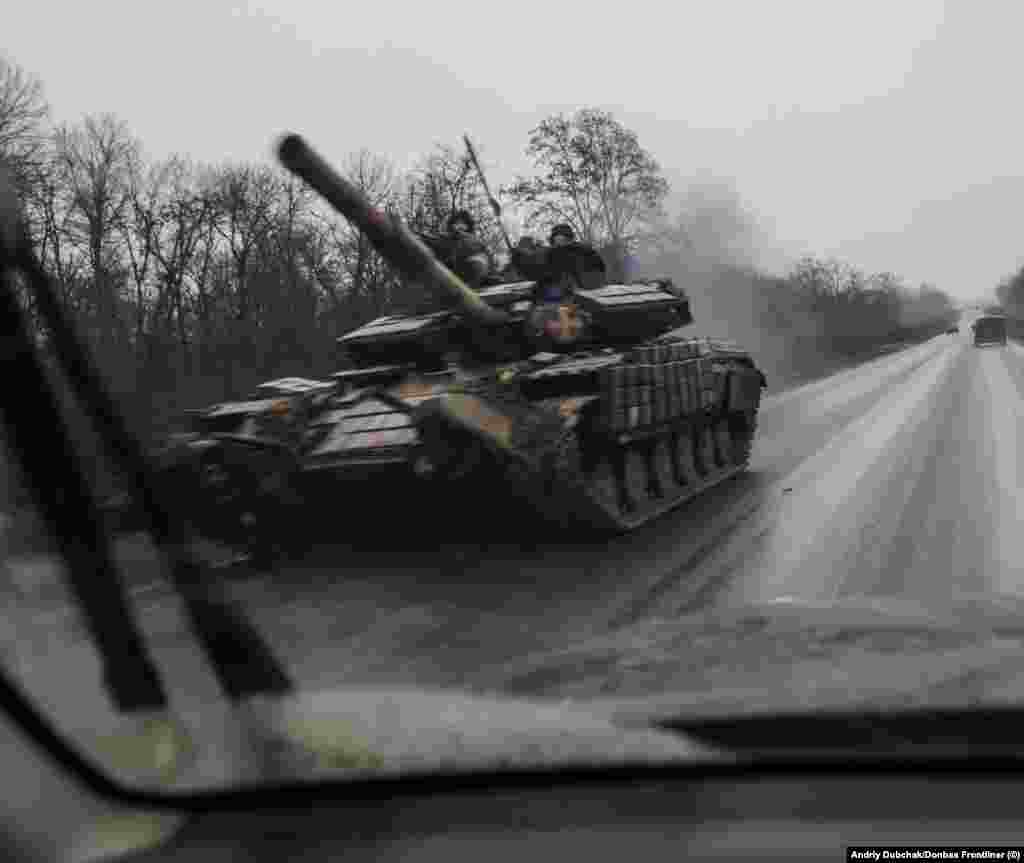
(613,440)
(601,440)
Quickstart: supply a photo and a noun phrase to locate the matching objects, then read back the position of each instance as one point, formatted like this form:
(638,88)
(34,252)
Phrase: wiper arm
(64,501)
(243,662)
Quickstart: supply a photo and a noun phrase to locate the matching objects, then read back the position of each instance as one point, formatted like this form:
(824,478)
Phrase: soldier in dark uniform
(563,267)
(461,250)
(559,270)
(527,246)
(561,236)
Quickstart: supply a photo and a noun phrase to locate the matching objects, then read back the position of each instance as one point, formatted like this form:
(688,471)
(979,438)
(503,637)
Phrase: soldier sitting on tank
(512,273)
(462,251)
(559,270)
(564,267)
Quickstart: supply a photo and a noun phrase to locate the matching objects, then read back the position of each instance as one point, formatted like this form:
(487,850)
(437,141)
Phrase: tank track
(590,479)
(619,488)
(623,460)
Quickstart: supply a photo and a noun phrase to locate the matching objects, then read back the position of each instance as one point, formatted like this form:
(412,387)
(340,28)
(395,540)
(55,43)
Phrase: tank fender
(183,450)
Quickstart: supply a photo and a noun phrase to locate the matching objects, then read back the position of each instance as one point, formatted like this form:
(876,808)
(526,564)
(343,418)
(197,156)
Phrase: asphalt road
(898,478)
(894,479)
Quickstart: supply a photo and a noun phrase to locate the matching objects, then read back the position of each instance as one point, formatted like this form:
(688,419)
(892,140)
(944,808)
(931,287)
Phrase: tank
(600,412)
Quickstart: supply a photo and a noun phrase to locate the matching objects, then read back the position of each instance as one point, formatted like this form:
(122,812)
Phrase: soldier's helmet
(564,231)
(462,217)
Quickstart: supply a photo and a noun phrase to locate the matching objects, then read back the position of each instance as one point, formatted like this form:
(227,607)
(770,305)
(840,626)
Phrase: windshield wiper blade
(129,674)
(868,730)
(243,662)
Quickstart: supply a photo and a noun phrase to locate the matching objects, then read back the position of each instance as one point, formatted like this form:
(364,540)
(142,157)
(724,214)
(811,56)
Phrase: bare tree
(182,224)
(284,288)
(97,161)
(56,235)
(246,197)
(445,181)
(23,115)
(1010,293)
(355,278)
(593,175)
(928,306)
(287,239)
(139,235)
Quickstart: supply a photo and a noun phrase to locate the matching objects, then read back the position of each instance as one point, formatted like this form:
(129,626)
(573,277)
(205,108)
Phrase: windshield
(398,481)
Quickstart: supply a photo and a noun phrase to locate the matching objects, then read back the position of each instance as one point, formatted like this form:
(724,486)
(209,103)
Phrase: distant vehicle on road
(989,330)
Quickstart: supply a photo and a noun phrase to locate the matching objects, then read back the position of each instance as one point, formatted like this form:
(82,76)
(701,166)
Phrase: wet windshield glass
(442,493)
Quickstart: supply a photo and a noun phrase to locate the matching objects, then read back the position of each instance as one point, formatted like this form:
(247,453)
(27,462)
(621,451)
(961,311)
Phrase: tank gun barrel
(390,237)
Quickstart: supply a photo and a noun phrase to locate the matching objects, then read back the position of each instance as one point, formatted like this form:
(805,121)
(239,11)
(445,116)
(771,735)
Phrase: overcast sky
(888,134)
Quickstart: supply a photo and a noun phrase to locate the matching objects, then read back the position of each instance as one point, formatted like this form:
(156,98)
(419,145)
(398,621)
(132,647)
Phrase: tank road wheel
(683,450)
(467,459)
(453,454)
(633,479)
(663,467)
(216,481)
(704,451)
(604,487)
(559,485)
(230,508)
(742,426)
(225,494)
(638,477)
(723,444)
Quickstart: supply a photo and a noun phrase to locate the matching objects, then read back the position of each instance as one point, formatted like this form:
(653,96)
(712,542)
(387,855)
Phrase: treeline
(193,282)
(820,316)
(1010,301)
(1010,294)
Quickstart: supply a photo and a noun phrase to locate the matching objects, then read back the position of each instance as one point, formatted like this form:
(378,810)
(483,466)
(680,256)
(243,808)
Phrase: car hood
(348,733)
(354,732)
(792,655)
(601,700)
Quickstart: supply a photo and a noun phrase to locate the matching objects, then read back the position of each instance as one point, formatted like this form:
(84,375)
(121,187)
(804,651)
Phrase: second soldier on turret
(564,267)
(462,251)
